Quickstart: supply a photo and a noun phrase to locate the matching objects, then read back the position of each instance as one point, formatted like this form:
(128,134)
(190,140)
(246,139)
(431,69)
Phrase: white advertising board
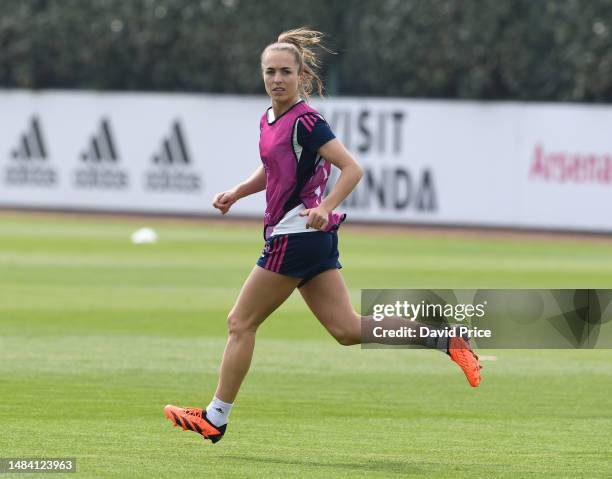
(541,166)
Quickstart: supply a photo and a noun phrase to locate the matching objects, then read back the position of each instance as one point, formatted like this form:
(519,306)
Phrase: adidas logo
(101,146)
(30,155)
(31,145)
(100,159)
(173,149)
(171,165)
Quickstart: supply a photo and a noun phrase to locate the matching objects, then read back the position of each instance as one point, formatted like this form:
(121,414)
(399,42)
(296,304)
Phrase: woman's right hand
(224,201)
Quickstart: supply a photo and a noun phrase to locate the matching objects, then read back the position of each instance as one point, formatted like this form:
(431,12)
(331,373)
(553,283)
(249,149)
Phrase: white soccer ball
(144,236)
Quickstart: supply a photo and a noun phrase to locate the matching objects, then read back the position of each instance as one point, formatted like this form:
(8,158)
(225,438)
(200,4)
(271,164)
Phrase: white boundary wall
(545,166)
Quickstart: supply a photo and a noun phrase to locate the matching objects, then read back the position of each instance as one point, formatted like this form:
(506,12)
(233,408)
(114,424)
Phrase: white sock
(218,411)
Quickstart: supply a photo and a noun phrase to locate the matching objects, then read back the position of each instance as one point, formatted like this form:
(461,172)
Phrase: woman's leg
(262,292)
(328,298)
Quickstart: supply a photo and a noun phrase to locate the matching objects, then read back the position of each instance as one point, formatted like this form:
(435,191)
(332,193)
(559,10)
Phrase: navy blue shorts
(301,255)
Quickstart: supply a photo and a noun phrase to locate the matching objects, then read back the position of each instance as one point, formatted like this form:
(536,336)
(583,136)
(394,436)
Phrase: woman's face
(280,74)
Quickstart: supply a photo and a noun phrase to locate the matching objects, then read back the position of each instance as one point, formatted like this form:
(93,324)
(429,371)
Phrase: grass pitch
(97,335)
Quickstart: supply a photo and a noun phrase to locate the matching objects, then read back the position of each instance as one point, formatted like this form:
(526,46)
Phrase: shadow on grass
(388,466)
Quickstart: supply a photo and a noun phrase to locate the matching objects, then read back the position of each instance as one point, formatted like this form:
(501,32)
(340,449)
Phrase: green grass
(97,335)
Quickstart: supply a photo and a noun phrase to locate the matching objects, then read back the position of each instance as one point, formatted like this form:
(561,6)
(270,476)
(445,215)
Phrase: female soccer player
(297,149)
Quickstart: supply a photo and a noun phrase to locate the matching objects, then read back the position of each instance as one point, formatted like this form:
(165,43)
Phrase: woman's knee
(345,339)
(238,324)
(349,333)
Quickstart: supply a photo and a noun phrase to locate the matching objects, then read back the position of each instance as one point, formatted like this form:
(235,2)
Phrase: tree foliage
(548,50)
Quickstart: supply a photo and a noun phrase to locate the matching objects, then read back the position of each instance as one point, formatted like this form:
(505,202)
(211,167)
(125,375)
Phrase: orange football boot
(195,420)
(460,351)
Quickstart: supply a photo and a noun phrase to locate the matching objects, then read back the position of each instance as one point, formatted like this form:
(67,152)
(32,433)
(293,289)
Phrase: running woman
(297,149)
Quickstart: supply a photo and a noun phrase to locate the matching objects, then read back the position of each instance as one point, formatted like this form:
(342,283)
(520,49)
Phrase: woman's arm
(253,184)
(350,174)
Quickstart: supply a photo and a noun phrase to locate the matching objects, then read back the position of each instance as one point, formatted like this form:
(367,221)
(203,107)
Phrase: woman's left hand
(317,217)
